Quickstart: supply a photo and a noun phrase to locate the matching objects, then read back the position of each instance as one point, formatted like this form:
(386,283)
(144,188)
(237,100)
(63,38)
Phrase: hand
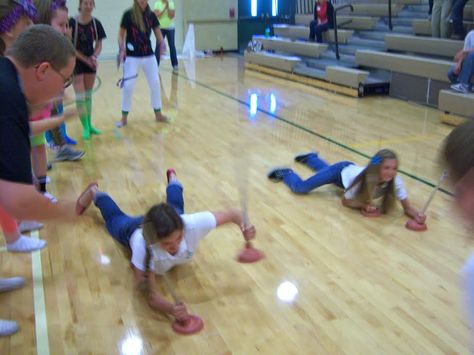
(248,231)
(370,209)
(70,113)
(93,61)
(121,56)
(180,312)
(420,217)
(457,68)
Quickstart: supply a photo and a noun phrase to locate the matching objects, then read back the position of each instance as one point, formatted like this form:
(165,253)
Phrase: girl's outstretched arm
(412,212)
(356,204)
(156,299)
(237,217)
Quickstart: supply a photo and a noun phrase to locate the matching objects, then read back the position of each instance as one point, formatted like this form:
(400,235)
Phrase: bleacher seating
(423,27)
(423,45)
(344,21)
(280,44)
(277,61)
(302,32)
(456,103)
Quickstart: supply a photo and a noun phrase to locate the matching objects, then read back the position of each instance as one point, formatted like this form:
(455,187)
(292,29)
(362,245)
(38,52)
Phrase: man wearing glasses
(36,69)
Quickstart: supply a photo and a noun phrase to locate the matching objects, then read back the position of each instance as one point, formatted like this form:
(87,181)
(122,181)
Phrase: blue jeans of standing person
(326,174)
(316,30)
(120,225)
(466,73)
(457,16)
(168,34)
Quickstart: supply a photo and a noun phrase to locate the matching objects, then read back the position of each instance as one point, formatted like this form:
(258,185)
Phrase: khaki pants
(440,18)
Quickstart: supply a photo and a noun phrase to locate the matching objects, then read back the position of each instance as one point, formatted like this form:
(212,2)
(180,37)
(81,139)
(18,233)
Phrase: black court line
(319,135)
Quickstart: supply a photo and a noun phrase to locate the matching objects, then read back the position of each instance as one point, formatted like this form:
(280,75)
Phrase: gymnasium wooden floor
(365,286)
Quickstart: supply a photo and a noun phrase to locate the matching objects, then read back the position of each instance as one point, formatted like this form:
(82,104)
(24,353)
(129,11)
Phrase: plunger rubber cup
(189,326)
(249,254)
(376,213)
(415,226)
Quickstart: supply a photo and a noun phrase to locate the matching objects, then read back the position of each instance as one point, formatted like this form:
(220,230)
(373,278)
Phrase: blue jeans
(316,30)
(466,73)
(457,16)
(326,174)
(120,225)
(169,34)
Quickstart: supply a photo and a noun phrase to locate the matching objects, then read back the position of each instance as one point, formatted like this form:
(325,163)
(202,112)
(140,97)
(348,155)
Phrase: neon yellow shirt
(165,21)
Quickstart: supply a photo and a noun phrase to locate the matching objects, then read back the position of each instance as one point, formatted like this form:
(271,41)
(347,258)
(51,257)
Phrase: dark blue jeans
(466,73)
(457,16)
(169,34)
(316,30)
(120,225)
(326,174)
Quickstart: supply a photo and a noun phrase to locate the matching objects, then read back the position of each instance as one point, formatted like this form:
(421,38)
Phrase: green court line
(41,323)
(319,135)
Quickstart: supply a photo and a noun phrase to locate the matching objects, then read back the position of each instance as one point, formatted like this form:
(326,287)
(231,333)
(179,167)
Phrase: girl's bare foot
(86,198)
(160,117)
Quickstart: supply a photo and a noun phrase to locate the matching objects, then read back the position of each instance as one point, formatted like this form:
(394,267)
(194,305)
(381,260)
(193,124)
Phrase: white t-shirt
(349,173)
(469,41)
(196,226)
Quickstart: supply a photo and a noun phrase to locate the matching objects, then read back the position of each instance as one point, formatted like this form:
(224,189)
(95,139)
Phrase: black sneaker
(278,174)
(301,158)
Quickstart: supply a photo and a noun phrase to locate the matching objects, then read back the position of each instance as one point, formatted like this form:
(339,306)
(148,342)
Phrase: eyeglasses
(67,81)
(28,7)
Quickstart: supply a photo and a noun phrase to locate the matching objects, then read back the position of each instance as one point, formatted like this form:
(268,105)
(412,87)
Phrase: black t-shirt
(15,161)
(137,43)
(86,35)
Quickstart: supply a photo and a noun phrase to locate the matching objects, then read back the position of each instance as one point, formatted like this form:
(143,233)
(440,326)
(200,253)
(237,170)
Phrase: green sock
(82,110)
(92,129)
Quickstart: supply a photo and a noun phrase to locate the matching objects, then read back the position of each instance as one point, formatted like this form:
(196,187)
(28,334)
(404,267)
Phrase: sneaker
(49,166)
(7,327)
(460,87)
(11,283)
(69,140)
(278,174)
(29,226)
(50,197)
(66,153)
(302,158)
(175,69)
(169,172)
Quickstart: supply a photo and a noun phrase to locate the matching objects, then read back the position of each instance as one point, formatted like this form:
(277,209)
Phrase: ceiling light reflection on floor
(287,291)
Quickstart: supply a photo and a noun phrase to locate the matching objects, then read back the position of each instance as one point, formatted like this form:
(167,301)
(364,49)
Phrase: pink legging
(7,222)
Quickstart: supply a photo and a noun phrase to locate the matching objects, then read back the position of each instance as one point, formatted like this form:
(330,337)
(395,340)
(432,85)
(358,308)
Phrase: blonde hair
(47,10)
(137,15)
(369,179)
(458,150)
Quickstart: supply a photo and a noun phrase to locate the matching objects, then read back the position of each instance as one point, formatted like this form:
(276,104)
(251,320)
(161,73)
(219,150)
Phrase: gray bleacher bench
(423,27)
(276,61)
(385,2)
(346,76)
(304,48)
(408,64)
(298,32)
(456,103)
(423,45)
(347,22)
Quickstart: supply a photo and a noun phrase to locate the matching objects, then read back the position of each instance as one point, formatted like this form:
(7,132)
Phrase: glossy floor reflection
(331,282)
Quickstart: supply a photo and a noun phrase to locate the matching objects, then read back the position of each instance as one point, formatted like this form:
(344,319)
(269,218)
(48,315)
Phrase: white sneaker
(50,197)
(7,327)
(28,226)
(460,87)
(11,283)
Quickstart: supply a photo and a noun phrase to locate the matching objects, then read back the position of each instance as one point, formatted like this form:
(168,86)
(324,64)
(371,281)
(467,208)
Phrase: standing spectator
(87,36)
(164,10)
(440,18)
(323,20)
(136,52)
(457,16)
(462,73)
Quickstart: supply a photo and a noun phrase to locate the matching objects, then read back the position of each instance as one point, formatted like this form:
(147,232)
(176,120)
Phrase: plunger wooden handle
(441,179)
(171,289)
